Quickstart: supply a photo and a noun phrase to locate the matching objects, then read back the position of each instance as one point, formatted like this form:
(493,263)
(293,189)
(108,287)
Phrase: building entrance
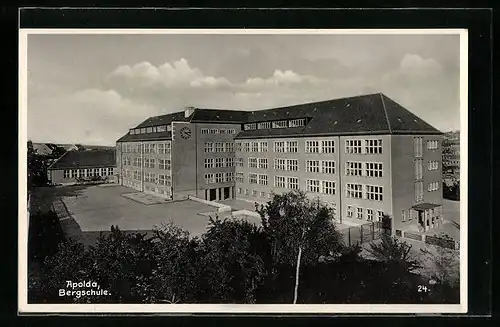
(213,194)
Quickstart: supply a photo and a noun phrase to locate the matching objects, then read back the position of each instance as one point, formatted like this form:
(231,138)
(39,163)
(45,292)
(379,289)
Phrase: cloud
(282,78)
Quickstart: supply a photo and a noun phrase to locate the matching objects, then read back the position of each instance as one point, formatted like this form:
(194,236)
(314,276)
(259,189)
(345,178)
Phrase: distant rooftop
(85,158)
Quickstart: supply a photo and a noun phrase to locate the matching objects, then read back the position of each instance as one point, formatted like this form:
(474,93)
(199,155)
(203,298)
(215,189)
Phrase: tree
(37,168)
(299,230)
(393,251)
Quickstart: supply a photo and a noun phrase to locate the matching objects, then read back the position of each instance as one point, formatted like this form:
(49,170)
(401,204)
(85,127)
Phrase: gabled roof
(84,159)
(365,114)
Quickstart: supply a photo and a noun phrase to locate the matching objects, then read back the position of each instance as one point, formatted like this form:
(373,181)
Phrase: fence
(362,234)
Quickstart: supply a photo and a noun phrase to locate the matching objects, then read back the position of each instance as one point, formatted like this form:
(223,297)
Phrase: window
(246,191)
(292,165)
(354,191)
(132,132)
(359,213)
(403,215)
(222,131)
(328,167)
(353,146)
(209,178)
(161,179)
(252,178)
(239,162)
(254,193)
(161,148)
(312,146)
(209,147)
(262,194)
(239,190)
(432,145)
(263,146)
(219,177)
(254,146)
(229,147)
(353,168)
(292,146)
(209,163)
(238,146)
(434,186)
(328,187)
(380,215)
(248,127)
(373,146)
(264,125)
(219,147)
(82,172)
(143,130)
(263,163)
(279,164)
(229,177)
(279,146)
(279,181)
(369,214)
(161,128)
(297,122)
(239,177)
(419,191)
(169,128)
(374,193)
(349,211)
(373,169)
(262,179)
(328,146)
(418,169)
(149,130)
(204,131)
(230,162)
(312,166)
(312,185)
(433,165)
(66,173)
(280,124)
(219,162)
(231,131)
(417,147)
(293,183)
(214,131)
(252,162)
(246,147)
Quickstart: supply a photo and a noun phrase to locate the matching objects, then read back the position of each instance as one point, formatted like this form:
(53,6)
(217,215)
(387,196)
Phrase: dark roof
(365,114)
(425,206)
(82,159)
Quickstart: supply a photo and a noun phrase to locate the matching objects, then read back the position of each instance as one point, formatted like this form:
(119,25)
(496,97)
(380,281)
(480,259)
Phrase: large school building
(365,156)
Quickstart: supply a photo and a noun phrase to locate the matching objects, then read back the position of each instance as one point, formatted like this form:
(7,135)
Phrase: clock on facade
(185,133)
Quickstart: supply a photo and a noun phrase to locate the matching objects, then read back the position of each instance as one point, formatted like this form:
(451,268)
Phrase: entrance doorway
(226,193)
(213,194)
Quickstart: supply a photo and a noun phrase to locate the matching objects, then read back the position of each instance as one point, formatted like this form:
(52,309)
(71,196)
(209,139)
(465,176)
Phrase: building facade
(365,156)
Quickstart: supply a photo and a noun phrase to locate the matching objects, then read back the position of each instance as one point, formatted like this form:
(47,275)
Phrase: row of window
(219,162)
(211,147)
(164,164)
(371,192)
(433,186)
(157,148)
(360,213)
(153,178)
(275,124)
(212,178)
(433,165)
(254,193)
(88,172)
(218,131)
(158,190)
(432,145)
(372,146)
(254,178)
(371,169)
(151,129)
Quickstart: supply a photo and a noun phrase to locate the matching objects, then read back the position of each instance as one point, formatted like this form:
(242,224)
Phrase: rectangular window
(312,166)
(374,193)
(279,164)
(161,148)
(354,191)
(349,211)
(263,163)
(373,146)
(239,162)
(369,214)
(230,162)
(434,186)
(417,147)
(239,190)
(209,178)
(161,128)
(373,169)
(380,215)
(82,172)
(168,165)
(204,131)
(353,168)
(209,147)
(262,179)
(246,147)
(280,124)
(219,147)
(238,146)
(209,163)
(222,131)
(263,146)
(403,215)
(219,177)
(328,146)
(229,177)
(292,146)
(432,145)
(328,167)
(264,125)
(66,173)
(419,191)
(149,129)
(252,162)
(254,193)
(229,147)
(239,177)
(262,194)
(252,178)
(418,169)
(312,185)
(353,146)
(246,191)
(328,187)
(312,146)
(249,127)
(292,165)
(254,146)
(161,179)
(433,165)
(279,146)
(132,132)
(219,162)
(280,181)
(96,171)
(293,183)
(359,213)
(297,122)
(214,131)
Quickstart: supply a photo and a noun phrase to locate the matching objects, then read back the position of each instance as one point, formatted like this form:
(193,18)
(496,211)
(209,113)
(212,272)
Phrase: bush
(44,235)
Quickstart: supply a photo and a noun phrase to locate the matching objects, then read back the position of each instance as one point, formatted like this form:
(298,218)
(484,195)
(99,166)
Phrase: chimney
(188,111)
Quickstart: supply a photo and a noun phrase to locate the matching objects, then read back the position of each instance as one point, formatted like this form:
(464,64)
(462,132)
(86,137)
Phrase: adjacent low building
(91,166)
(365,156)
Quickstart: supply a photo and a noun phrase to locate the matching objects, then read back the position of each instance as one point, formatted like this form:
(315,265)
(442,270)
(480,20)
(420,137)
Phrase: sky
(91,89)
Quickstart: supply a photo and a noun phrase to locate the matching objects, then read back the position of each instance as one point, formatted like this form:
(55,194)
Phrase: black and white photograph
(313,171)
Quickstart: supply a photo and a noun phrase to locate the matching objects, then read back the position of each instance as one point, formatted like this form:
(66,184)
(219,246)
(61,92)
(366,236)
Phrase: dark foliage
(452,192)
(44,235)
